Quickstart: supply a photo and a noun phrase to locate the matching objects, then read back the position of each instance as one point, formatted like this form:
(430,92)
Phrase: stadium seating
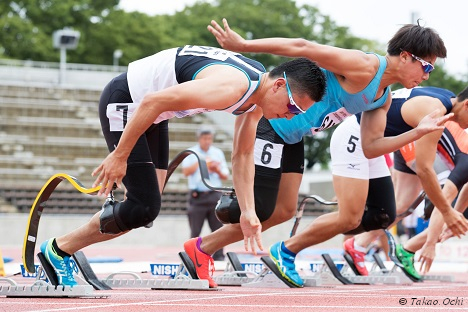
(51,129)
(46,128)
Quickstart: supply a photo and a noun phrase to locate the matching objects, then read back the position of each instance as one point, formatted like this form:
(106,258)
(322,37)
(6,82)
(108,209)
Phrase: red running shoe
(204,264)
(358,256)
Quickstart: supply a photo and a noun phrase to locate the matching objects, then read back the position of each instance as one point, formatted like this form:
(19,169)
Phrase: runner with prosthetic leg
(134,110)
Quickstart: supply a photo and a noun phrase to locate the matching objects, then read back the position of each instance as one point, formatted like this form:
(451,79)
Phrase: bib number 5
(352,143)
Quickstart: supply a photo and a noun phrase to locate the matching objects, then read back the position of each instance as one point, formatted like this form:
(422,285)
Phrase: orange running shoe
(203,262)
(358,256)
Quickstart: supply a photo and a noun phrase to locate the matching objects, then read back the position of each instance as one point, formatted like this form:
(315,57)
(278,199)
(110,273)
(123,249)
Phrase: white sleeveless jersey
(174,66)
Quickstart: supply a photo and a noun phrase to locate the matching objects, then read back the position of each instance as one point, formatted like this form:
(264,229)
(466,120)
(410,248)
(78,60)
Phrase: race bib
(119,114)
(330,120)
(210,52)
(268,154)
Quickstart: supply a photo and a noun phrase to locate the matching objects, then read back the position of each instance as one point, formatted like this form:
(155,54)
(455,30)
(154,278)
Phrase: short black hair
(421,41)
(304,77)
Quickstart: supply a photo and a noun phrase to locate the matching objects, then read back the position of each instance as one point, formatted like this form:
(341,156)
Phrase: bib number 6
(268,154)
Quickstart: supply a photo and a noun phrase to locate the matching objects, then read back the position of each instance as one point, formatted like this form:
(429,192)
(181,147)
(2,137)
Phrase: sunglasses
(427,67)
(293,108)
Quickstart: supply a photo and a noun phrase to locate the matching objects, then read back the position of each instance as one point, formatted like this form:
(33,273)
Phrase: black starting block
(378,274)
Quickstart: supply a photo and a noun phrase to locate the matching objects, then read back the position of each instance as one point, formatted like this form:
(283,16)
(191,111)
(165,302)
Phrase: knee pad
(380,209)
(377,218)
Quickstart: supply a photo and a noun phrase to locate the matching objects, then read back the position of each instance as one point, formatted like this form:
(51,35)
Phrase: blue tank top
(336,105)
(395,123)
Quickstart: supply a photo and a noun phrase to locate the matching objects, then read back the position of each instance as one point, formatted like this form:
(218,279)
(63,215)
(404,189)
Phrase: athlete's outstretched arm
(243,173)
(425,121)
(344,62)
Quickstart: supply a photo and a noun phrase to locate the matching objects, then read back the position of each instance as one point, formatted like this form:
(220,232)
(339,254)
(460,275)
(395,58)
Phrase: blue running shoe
(285,264)
(61,265)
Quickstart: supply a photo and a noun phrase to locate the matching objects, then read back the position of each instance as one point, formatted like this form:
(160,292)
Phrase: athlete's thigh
(407,188)
(157,137)
(268,155)
(350,168)
(351,194)
(291,178)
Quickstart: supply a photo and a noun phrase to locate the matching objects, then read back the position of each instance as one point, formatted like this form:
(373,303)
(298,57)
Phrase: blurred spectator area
(47,128)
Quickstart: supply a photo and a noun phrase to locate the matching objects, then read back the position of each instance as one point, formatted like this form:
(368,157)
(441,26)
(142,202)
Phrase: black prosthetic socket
(265,192)
(110,223)
(142,204)
(226,211)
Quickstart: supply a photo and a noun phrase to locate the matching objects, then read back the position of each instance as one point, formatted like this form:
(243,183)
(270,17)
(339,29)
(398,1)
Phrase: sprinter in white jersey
(134,109)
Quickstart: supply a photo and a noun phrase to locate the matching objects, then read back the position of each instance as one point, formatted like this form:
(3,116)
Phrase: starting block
(439,278)
(378,274)
(265,274)
(184,278)
(46,285)
(42,289)
(236,274)
(270,277)
(396,270)
(328,274)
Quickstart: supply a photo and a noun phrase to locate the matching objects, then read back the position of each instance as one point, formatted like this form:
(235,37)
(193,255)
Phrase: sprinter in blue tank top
(357,82)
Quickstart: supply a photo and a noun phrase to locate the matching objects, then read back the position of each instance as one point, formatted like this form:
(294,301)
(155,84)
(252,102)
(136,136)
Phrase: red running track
(340,298)
(449,296)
